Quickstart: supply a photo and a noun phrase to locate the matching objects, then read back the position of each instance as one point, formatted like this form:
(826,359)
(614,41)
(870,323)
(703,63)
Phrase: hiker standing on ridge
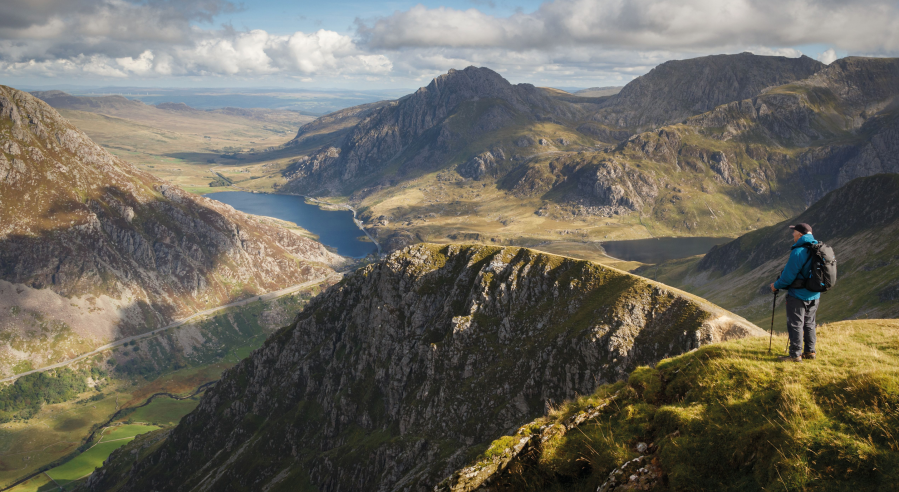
(802,304)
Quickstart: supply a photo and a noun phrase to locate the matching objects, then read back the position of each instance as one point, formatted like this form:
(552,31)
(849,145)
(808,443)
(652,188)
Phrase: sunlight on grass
(85,463)
(730,416)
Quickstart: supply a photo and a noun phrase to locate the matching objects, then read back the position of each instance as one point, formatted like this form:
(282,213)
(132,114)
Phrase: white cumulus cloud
(828,56)
(118,38)
(870,25)
(563,42)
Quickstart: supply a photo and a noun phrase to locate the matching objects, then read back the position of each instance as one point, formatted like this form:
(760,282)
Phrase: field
(85,463)
(164,411)
(40,483)
(189,148)
(55,432)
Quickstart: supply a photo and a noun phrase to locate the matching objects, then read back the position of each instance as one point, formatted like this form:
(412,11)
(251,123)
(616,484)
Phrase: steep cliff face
(395,376)
(96,249)
(678,89)
(859,220)
(333,125)
(417,131)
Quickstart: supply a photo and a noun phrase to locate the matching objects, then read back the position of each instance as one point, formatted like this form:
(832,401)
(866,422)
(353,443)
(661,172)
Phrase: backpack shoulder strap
(810,248)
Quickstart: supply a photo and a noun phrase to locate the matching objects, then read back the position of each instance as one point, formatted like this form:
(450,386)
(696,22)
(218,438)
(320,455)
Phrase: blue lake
(657,250)
(334,228)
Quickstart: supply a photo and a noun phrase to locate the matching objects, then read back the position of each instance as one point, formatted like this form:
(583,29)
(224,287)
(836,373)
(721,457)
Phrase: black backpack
(824,269)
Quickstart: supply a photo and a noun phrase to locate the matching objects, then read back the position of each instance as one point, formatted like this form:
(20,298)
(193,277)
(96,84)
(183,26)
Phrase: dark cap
(802,227)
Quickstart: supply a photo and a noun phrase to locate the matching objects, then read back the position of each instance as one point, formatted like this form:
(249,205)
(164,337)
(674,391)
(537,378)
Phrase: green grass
(85,463)
(40,483)
(123,431)
(164,411)
(728,416)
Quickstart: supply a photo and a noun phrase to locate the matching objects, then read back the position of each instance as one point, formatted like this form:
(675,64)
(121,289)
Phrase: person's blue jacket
(799,259)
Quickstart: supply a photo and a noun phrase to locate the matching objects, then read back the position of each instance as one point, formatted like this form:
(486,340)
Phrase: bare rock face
(390,379)
(93,229)
(482,164)
(417,127)
(618,187)
(678,89)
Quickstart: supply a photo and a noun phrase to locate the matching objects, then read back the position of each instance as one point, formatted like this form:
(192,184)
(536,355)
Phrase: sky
(341,44)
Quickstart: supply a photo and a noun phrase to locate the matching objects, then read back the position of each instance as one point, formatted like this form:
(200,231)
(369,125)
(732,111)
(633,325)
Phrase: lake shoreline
(356,221)
(266,211)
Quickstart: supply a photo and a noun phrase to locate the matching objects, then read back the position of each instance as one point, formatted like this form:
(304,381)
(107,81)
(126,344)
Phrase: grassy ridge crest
(726,416)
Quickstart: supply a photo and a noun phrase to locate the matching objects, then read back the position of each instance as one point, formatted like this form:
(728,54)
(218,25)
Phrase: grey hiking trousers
(801,325)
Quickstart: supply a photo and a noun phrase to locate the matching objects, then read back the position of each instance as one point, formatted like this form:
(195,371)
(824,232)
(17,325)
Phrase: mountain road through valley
(177,323)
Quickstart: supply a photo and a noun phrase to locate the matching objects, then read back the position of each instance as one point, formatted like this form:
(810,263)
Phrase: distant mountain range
(120,106)
(736,142)
(599,91)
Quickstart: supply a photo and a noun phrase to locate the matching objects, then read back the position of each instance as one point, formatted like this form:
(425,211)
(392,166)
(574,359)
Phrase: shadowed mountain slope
(859,220)
(397,375)
(94,249)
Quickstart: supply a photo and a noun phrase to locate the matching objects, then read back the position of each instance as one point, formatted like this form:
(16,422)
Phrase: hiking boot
(789,358)
(808,356)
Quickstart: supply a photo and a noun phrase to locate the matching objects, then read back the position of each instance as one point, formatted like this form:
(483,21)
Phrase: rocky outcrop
(678,89)
(482,164)
(391,378)
(618,187)
(92,228)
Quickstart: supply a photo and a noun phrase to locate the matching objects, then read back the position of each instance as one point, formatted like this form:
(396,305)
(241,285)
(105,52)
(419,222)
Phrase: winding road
(174,324)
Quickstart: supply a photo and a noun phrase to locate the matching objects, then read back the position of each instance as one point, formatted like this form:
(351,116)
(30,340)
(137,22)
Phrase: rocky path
(174,324)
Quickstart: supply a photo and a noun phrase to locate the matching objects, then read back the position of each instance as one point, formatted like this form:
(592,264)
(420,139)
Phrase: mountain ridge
(672,91)
(384,381)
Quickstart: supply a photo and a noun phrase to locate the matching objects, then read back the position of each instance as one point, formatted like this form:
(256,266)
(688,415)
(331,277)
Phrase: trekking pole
(773,306)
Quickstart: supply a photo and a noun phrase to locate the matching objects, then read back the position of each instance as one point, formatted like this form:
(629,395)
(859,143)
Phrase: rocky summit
(410,367)
(423,129)
(93,249)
